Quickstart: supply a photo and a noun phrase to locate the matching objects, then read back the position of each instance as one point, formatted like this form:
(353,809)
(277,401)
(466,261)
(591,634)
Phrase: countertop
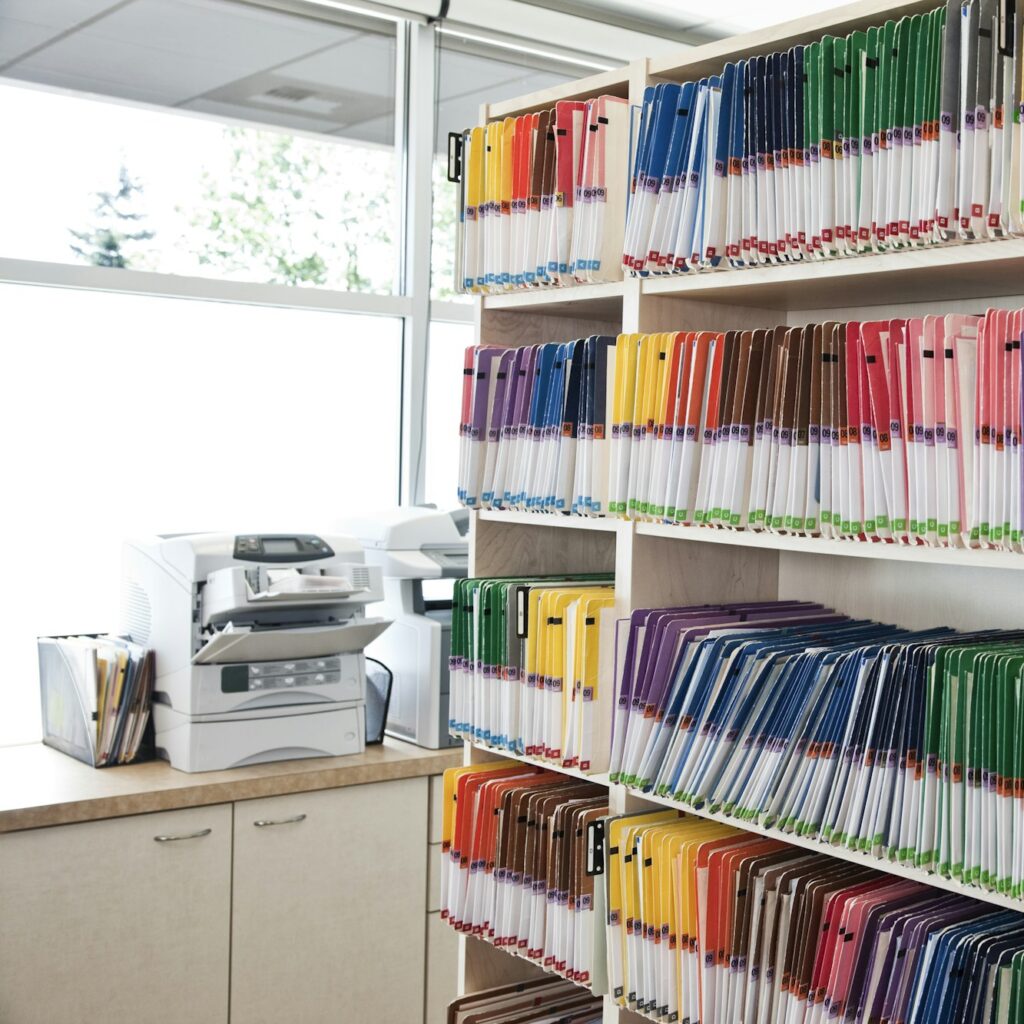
(40,786)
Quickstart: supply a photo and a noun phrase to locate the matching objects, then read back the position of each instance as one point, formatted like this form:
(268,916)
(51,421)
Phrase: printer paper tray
(283,644)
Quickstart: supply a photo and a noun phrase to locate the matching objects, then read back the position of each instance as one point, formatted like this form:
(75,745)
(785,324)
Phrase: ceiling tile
(378,131)
(56,14)
(460,73)
(240,112)
(18,36)
(121,68)
(243,38)
(366,63)
(84,83)
(276,98)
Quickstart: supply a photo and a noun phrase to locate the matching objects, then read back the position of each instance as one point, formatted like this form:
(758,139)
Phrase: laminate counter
(40,786)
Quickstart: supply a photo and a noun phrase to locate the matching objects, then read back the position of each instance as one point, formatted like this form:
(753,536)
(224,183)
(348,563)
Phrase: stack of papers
(713,925)
(902,745)
(902,430)
(525,663)
(540,1001)
(514,865)
(542,200)
(904,135)
(95,695)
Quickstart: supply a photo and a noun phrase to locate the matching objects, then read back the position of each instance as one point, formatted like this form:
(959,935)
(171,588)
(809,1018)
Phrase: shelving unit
(657,564)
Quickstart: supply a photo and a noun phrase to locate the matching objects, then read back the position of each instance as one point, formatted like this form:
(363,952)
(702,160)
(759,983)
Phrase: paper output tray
(285,643)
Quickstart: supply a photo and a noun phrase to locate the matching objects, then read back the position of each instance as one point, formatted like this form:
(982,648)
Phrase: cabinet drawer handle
(263,823)
(185,835)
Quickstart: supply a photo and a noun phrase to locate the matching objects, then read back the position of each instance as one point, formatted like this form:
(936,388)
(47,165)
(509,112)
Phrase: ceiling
(213,56)
(317,70)
(688,21)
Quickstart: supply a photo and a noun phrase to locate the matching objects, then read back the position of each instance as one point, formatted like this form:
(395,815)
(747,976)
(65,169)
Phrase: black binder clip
(455,157)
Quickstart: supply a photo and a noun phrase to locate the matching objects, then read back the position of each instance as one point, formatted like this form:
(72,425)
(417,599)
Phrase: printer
(259,643)
(410,546)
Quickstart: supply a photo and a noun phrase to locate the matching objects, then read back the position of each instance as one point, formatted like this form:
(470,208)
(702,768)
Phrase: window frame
(416,75)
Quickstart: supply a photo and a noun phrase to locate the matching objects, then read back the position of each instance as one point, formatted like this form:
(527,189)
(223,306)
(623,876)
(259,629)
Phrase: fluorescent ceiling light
(387,12)
(505,44)
(742,15)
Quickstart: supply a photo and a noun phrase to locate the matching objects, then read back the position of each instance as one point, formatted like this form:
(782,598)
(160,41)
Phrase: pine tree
(118,227)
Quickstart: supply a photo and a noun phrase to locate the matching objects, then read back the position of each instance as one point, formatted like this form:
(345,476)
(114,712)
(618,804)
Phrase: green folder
(827,133)
(856,44)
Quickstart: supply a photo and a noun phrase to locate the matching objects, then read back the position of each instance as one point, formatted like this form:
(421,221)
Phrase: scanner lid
(412,528)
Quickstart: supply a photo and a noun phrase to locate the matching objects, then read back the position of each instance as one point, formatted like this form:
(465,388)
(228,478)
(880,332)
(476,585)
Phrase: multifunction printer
(412,546)
(259,643)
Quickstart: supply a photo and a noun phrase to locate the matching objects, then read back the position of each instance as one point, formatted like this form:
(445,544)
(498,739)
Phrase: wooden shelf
(976,558)
(710,59)
(555,520)
(597,301)
(519,959)
(600,778)
(853,856)
(972,557)
(973,270)
(966,589)
(842,853)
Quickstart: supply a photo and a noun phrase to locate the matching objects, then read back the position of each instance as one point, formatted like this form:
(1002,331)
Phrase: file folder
(900,431)
(95,693)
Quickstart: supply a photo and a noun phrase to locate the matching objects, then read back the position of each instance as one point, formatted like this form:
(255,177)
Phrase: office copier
(412,545)
(259,644)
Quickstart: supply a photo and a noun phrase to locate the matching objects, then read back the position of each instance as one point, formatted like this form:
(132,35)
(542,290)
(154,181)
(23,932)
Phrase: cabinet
(282,908)
(328,909)
(117,920)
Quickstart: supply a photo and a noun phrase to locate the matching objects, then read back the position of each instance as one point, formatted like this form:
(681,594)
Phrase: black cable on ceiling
(442,12)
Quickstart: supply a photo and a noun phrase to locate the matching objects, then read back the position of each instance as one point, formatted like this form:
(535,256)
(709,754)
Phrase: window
(298,187)
(254,150)
(448,343)
(125,415)
(469,70)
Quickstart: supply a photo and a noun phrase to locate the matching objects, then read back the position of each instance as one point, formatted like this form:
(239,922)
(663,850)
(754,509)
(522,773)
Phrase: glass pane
(278,163)
(448,343)
(127,415)
(470,73)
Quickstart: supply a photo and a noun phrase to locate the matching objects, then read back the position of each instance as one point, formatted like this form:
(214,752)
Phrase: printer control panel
(278,675)
(279,547)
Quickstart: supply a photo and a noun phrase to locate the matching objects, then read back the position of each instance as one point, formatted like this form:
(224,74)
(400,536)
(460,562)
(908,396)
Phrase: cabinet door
(328,915)
(100,921)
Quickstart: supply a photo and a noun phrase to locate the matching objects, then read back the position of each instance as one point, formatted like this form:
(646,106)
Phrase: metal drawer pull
(187,835)
(263,823)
